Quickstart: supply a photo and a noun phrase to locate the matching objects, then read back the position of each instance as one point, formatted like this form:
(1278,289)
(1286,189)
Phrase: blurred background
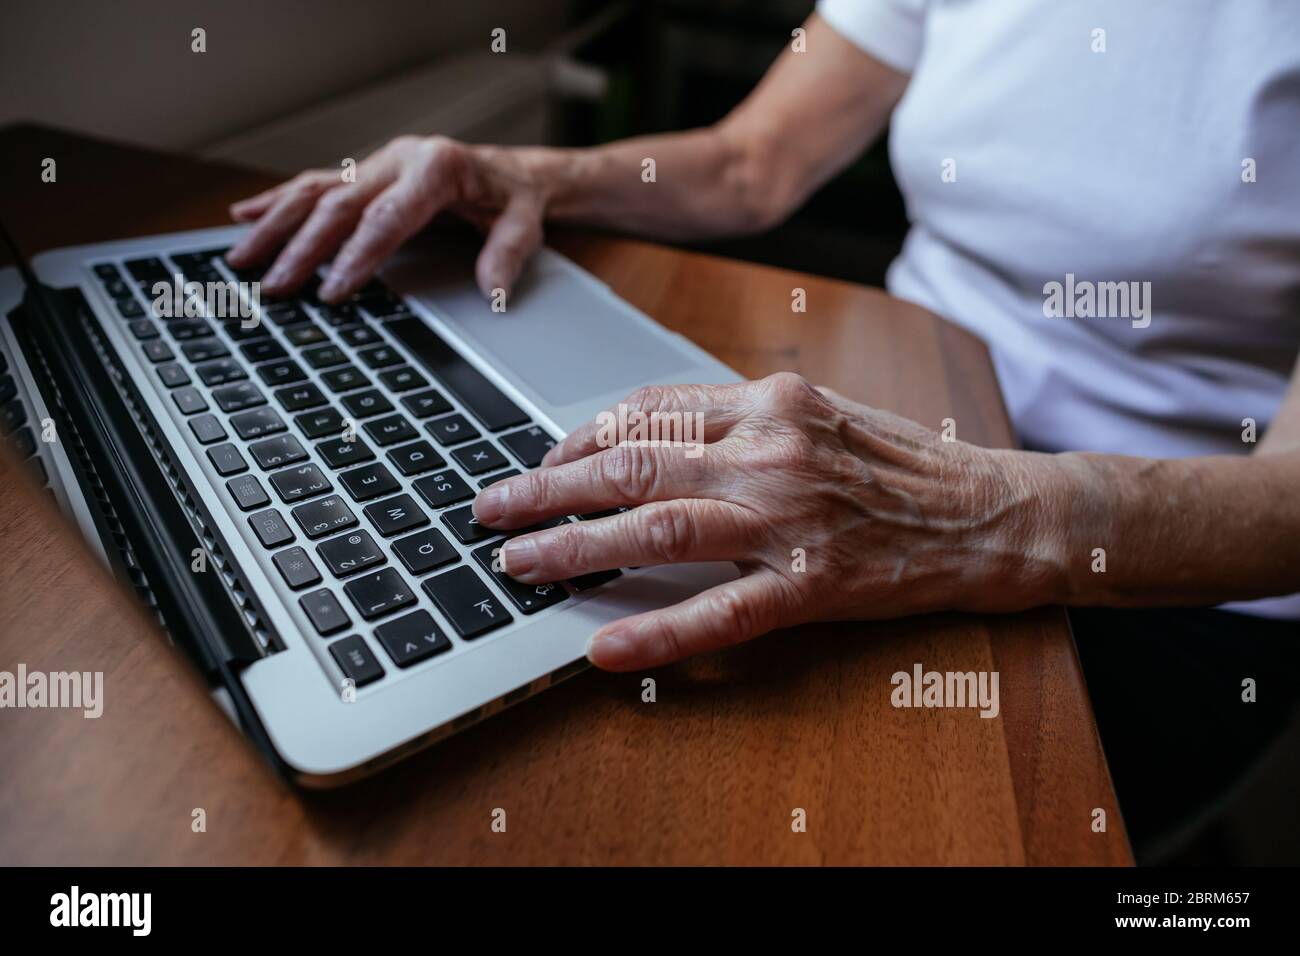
(289,84)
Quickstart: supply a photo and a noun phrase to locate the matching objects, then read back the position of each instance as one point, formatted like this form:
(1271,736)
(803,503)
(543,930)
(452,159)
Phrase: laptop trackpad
(563,336)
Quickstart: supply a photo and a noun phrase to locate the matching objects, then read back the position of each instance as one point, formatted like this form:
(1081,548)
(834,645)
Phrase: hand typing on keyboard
(832,511)
(396,192)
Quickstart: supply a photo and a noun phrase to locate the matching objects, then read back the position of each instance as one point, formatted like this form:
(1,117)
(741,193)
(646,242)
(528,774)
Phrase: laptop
(289,485)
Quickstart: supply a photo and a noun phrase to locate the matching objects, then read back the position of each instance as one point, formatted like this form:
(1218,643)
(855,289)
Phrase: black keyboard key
(403,379)
(271,529)
(500,476)
(416,458)
(25,443)
(284,372)
(205,350)
(390,430)
(324,611)
(380,356)
(443,489)
(257,423)
(339,453)
(465,526)
(585,582)
(484,400)
(452,430)
(367,403)
(368,481)
(412,638)
(183,330)
(247,492)
(264,350)
(148,270)
(427,404)
(355,660)
(528,445)
(238,332)
(479,457)
(143,329)
(309,333)
(529,598)
(378,594)
(297,397)
(296,567)
(207,429)
(395,515)
(106,272)
(189,400)
(227,459)
(341,314)
(277,452)
(172,375)
(220,372)
(360,335)
(8,388)
(238,396)
(425,550)
(157,351)
(12,416)
(327,421)
(349,553)
(383,306)
(325,356)
(285,313)
(324,516)
(129,308)
(466,602)
(293,484)
(344,379)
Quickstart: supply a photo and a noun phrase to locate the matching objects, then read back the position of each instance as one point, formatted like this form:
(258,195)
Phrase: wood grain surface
(587,773)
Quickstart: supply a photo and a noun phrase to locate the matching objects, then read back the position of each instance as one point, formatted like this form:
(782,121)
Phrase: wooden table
(710,773)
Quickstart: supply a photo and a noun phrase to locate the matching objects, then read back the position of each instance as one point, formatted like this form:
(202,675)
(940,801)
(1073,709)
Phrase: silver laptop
(290,487)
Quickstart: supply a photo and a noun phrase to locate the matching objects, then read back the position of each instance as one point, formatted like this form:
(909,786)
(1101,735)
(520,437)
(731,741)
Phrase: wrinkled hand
(396,192)
(891,519)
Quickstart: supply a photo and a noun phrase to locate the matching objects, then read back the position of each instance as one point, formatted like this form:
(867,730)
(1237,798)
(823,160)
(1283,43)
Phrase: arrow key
(412,638)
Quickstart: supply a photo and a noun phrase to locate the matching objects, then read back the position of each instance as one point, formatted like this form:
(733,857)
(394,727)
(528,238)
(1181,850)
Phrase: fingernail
(610,649)
(235,254)
(491,503)
(331,288)
(276,276)
(519,556)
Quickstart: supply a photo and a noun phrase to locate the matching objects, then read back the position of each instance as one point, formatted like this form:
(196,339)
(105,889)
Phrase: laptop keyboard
(351,439)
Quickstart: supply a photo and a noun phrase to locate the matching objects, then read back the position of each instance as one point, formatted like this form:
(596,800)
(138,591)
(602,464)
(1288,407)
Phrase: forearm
(702,184)
(810,116)
(1192,531)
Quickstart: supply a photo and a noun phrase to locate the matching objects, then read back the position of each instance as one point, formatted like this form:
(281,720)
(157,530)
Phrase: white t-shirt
(1108,194)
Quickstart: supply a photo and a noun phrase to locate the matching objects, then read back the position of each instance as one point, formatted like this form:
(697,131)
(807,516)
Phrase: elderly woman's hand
(830,509)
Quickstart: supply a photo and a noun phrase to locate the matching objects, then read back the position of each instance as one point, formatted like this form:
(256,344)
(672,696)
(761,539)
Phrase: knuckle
(569,547)
(630,471)
(338,201)
(669,530)
(733,613)
(384,214)
(787,391)
(647,398)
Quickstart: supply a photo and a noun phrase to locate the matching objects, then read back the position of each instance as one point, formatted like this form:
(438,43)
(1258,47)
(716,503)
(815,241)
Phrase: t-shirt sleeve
(890,30)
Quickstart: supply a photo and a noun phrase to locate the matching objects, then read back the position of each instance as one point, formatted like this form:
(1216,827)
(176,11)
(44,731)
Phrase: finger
(720,406)
(512,238)
(390,219)
(719,617)
(253,207)
(331,221)
(624,475)
(285,215)
(664,532)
